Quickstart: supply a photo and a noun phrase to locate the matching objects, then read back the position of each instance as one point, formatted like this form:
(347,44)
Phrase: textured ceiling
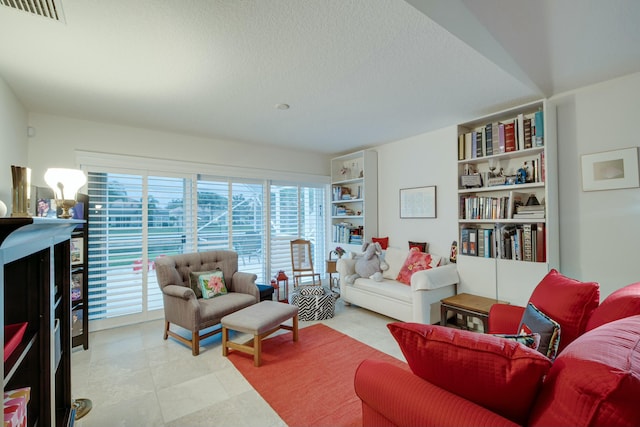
(356,73)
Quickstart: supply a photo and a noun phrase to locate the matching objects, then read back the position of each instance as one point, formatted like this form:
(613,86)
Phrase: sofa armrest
(394,396)
(434,278)
(345,267)
(504,318)
(245,283)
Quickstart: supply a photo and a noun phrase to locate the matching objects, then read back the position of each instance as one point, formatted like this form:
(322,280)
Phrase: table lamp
(65,184)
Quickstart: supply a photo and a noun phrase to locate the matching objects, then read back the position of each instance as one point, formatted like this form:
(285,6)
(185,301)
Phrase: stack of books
(529,212)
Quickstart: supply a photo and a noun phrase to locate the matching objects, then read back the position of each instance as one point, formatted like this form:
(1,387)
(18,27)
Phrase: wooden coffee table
(468,305)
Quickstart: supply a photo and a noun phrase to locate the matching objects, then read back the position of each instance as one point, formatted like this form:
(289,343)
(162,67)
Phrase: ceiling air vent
(50,9)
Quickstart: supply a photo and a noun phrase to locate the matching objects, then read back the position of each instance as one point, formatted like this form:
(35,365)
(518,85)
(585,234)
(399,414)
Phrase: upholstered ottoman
(260,320)
(314,302)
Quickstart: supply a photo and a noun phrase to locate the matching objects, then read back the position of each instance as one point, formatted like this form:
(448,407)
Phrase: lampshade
(65,183)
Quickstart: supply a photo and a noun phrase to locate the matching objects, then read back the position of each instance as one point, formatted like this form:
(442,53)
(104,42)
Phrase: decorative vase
(3,209)
(21,177)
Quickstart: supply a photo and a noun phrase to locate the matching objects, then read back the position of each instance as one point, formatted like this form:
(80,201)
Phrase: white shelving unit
(354,199)
(500,273)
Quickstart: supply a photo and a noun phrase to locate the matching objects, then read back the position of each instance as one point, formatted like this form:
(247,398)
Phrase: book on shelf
(528,132)
(541,248)
(539,129)
(481,247)
(488,136)
(461,146)
(527,244)
(467,145)
(480,148)
(520,131)
(509,137)
(473,241)
(488,242)
(501,138)
(495,138)
(464,241)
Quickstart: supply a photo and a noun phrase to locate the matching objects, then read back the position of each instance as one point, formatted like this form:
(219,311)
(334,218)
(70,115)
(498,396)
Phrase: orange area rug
(310,382)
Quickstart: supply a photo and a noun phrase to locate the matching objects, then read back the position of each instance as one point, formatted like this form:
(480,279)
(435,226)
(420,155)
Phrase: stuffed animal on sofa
(369,264)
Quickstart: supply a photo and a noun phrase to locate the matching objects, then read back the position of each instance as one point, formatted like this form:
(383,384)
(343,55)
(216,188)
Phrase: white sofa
(419,302)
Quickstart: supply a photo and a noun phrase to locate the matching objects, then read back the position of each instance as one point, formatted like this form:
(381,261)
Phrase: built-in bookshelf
(35,279)
(507,194)
(79,275)
(354,199)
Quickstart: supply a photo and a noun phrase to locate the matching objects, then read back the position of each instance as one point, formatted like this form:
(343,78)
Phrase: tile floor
(135,378)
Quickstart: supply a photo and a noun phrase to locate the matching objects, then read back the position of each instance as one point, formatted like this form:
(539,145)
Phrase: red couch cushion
(595,381)
(569,302)
(499,374)
(622,303)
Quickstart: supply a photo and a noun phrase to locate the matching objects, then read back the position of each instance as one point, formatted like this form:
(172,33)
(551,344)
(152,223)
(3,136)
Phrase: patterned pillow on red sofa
(569,302)
(499,374)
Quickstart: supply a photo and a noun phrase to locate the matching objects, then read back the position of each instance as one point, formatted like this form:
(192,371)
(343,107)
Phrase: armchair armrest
(434,278)
(245,283)
(178,291)
(392,395)
(504,318)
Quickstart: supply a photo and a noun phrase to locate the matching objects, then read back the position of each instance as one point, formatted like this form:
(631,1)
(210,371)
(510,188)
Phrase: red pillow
(569,302)
(384,242)
(422,246)
(595,381)
(622,303)
(415,261)
(501,375)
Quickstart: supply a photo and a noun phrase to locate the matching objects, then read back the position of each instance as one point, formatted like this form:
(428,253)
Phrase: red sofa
(462,378)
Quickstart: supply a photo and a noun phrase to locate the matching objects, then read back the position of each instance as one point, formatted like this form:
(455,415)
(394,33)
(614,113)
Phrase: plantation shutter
(297,211)
(134,219)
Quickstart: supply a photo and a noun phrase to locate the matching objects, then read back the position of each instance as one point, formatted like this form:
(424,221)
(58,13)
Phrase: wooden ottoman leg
(257,350)
(295,327)
(225,338)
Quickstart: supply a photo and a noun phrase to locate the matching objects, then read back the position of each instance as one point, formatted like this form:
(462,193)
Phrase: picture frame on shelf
(418,202)
(610,170)
(77,252)
(76,285)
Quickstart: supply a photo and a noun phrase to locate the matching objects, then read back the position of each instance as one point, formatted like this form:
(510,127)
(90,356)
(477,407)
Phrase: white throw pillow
(394,257)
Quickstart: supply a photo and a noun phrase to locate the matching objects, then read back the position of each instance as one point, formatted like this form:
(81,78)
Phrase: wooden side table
(331,269)
(468,305)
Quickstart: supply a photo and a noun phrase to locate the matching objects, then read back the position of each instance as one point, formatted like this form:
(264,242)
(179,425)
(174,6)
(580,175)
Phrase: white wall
(423,160)
(13,139)
(57,138)
(599,230)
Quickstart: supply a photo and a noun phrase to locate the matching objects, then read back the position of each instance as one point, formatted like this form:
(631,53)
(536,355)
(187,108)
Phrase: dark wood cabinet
(36,289)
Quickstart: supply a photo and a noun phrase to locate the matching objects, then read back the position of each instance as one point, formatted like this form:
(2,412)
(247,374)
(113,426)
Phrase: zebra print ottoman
(314,302)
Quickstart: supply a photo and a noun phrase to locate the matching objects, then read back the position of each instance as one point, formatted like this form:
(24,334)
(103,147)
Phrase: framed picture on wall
(419,202)
(610,170)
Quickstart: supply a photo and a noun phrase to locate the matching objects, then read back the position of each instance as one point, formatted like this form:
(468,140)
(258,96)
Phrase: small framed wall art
(610,170)
(419,202)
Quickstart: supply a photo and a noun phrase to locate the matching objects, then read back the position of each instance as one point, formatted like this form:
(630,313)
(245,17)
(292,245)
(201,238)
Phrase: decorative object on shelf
(419,202)
(282,286)
(454,251)
(532,200)
(65,184)
(3,209)
(610,170)
(21,178)
(471,181)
